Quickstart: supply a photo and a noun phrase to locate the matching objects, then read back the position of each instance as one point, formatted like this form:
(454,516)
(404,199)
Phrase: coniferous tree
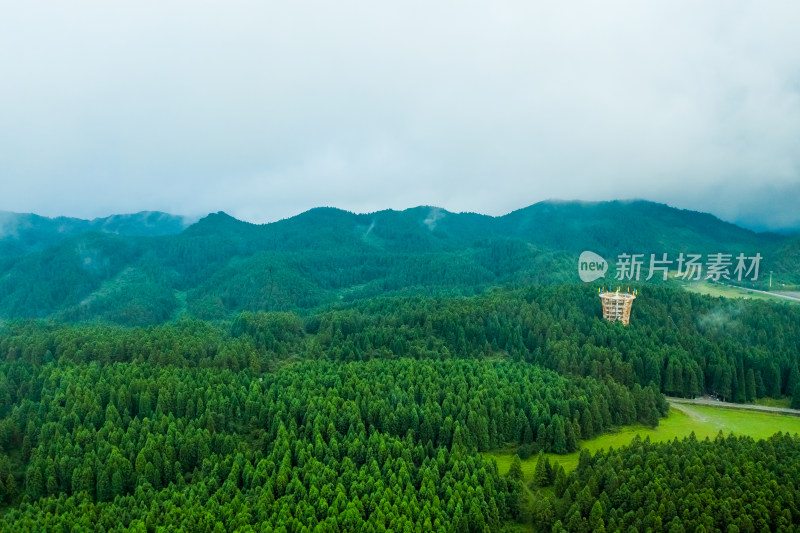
(796,397)
(750,385)
(541,475)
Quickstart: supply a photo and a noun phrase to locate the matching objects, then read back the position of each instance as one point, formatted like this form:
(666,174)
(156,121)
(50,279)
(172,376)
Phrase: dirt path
(739,406)
(689,411)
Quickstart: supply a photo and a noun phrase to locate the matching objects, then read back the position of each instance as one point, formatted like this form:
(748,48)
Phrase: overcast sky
(266,109)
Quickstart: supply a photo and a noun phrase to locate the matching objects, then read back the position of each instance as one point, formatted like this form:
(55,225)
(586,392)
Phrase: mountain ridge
(220,265)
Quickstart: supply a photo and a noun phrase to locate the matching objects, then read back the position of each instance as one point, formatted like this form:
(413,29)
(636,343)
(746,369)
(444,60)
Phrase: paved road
(775,294)
(740,406)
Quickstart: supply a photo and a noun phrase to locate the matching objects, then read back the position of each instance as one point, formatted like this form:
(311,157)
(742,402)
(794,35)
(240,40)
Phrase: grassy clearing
(715,289)
(775,402)
(705,421)
(728,291)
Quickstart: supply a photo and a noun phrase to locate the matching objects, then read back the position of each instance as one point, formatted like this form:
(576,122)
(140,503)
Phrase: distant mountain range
(24,233)
(151,267)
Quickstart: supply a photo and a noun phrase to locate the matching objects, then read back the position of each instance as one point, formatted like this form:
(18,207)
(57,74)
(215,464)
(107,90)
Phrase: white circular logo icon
(591,266)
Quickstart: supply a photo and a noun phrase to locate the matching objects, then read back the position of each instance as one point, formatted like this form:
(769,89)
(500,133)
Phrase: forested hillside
(686,344)
(220,266)
(24,233)
(340,372)
(368,416)
(119,428)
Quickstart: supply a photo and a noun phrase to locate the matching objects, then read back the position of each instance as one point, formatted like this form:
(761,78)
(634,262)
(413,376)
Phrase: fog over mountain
(265,111)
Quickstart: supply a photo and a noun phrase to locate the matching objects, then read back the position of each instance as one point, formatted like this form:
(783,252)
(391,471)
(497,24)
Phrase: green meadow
(683,419)
(775,402)
(728,291)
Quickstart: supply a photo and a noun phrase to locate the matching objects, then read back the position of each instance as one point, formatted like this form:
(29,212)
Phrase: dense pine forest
(729,484)
(372,416)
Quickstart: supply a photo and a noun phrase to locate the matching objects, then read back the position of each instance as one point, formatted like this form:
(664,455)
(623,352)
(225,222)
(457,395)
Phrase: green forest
(147,269)
(373,416)
(728,484)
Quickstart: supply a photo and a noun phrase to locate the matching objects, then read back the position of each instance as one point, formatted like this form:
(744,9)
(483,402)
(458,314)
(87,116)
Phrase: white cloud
(268,109)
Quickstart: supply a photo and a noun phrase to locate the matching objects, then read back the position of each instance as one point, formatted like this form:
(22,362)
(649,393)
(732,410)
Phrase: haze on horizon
(265,110)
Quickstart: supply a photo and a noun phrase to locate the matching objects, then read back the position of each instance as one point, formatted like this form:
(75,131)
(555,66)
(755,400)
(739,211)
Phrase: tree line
(682,343)
(730,483)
